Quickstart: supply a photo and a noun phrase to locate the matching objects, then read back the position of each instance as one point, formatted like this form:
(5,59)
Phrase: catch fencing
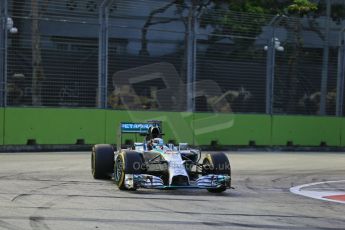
(169,56)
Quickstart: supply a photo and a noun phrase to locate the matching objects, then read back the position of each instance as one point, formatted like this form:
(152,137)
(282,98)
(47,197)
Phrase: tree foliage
(301,7)
(247,17)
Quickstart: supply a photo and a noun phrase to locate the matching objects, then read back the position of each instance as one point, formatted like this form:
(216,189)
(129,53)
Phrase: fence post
(103,54)
(3,52)
(270,64)
(341,72)
(272,45)
(325,58)
(191,56)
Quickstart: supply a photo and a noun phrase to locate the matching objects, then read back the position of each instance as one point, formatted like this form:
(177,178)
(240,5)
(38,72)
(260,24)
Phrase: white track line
(318,194)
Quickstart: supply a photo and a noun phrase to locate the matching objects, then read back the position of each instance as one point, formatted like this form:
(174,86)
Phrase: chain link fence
(52,60)
(171,56)
(299,69)
(147,57)
(3,36)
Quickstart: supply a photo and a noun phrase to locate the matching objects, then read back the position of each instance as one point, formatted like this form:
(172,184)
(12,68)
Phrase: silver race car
(156,165)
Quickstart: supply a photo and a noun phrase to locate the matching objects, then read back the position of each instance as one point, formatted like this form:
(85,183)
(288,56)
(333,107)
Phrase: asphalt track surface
(56,191)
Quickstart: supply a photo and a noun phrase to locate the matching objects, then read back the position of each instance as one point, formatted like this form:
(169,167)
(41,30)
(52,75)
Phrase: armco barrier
(235,129)
(53,126)
(2,123)
(342,133)
(199,128)
(306,130)
(21,126)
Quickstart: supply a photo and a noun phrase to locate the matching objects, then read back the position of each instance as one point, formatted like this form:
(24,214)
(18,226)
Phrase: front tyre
(127,162)
(102,161)
(218,164)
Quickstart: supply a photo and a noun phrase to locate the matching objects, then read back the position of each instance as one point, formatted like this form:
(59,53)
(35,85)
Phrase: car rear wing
(142,129)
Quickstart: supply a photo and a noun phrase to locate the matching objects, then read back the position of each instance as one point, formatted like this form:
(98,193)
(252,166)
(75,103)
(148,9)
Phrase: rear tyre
(218,164)
(127,162)
(102,161)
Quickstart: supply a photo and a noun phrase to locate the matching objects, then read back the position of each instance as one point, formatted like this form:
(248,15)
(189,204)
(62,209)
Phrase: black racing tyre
(102,161)
(218,164)
(127,162)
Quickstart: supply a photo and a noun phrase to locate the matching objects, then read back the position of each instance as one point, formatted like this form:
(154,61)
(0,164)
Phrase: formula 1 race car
(154,164)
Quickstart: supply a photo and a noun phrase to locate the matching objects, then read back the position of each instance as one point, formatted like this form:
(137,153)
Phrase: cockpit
(158,142)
